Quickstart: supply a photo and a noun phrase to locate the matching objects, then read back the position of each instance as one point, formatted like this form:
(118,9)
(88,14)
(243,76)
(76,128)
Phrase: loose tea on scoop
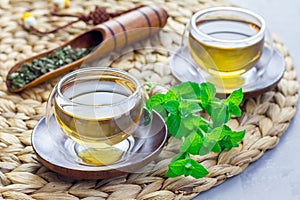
(39,66)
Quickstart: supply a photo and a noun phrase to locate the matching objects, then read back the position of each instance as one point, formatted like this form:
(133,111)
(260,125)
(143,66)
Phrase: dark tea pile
(39,66)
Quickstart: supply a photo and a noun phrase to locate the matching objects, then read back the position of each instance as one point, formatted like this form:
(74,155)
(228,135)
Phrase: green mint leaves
(182,108)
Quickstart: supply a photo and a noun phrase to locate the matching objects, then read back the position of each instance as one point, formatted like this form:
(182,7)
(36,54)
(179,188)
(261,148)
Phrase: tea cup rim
(83,70)
(260,34)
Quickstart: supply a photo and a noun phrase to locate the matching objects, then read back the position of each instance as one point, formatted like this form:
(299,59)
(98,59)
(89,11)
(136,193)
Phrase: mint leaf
(176,168)
(160,109)
(193,122)
(192,144)
(186,90)
(226,143)
(198,171)
(230,138)
(220,115)
(156,102)
(157,99)
(170,95)
(237,136)
(187,107)
(208,92)
(233,102)
(217,148)
(171,173)
(234,109)
(171,106)
(216,133)
(180,156)
(207,145)
(175,127)
(186,167)
(236,97)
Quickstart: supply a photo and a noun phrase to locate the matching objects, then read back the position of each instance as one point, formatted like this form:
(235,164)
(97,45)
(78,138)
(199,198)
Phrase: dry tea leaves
(39,66)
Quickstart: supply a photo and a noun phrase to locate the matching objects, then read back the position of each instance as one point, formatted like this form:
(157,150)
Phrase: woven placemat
(265,118)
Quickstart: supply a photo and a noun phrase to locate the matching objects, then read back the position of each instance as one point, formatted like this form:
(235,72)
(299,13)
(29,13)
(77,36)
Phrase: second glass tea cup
(228,43)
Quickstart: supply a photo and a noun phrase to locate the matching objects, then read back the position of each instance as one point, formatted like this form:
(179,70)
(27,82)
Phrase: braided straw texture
(265,118)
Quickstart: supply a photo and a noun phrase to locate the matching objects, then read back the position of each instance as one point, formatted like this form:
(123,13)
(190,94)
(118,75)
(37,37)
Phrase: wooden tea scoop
(106,37)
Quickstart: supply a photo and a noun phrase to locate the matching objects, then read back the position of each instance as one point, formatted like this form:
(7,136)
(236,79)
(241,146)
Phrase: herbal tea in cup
(226,42)
(98,109)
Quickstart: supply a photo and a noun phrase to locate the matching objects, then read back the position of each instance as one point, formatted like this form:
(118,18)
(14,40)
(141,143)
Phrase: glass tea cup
(99,110)
(229,44)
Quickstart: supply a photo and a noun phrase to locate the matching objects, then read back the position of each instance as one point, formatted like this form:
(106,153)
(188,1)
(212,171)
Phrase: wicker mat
(265,118)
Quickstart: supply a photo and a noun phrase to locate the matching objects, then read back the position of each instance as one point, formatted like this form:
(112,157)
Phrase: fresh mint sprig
(182,108)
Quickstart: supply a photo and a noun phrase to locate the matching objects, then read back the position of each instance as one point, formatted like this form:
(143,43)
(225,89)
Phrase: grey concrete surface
(276,175)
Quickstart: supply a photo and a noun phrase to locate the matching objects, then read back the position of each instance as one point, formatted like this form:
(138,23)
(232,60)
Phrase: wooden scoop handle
(130,27)
(145,18)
